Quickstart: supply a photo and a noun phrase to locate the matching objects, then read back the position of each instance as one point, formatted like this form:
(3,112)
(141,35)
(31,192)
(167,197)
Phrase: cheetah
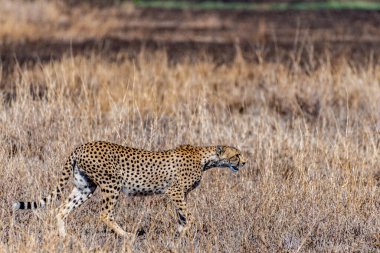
(115,169)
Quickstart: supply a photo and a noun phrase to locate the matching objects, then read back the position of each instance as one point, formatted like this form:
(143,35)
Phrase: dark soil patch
(272,35)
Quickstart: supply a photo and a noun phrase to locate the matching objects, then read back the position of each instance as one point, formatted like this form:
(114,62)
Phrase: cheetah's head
(229,157)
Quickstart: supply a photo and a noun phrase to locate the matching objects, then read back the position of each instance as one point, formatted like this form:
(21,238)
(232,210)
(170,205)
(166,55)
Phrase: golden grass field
(312,141)
(312,138)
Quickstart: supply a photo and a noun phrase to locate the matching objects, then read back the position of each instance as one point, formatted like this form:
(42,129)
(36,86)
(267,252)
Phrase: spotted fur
(114,169)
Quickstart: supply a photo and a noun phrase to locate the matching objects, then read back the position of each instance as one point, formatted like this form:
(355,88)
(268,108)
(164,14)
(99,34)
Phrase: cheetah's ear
(219,150)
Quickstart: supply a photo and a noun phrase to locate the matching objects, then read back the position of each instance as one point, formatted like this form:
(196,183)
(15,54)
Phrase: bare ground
(271,35)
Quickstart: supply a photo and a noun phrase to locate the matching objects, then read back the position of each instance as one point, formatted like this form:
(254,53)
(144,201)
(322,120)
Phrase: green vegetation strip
(209,5)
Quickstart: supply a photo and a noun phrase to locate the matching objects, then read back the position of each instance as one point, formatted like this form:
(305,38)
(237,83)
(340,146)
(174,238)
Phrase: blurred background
(274,30)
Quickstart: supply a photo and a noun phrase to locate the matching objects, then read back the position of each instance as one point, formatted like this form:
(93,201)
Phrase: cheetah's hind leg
(84,187)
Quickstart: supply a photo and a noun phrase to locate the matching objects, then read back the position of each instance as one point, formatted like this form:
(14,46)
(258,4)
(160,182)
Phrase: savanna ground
(306,114)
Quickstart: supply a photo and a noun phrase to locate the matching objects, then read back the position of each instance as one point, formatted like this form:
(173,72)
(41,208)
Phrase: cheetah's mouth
(234,169)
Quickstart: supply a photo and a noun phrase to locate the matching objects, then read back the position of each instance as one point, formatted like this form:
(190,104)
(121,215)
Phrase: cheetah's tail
(41,203)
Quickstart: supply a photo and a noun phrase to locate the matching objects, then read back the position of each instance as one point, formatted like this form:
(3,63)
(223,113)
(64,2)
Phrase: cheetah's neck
(209,158)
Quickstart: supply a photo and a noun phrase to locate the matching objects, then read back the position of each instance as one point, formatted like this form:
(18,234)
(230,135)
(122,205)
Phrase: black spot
(22,205)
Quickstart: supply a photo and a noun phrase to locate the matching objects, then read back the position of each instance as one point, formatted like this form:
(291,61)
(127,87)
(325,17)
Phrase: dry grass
(22,21)
(313,141)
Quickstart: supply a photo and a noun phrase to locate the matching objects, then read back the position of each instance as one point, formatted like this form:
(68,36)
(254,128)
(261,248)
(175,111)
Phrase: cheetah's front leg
(178,197)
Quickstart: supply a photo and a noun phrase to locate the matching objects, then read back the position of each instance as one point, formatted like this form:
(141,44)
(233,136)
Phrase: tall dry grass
(312,138)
